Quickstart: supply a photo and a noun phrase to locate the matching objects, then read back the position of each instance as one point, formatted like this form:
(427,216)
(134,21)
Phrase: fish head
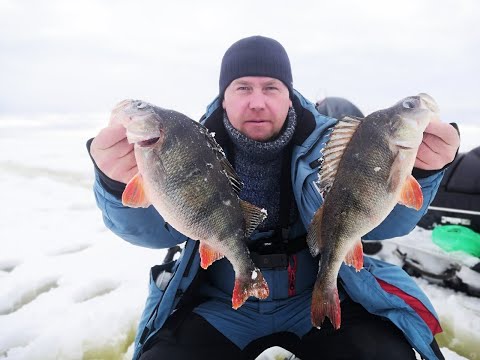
(408,119)
(145,127)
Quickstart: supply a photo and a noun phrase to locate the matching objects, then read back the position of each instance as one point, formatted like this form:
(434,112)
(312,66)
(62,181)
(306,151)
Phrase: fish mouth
(421,101)
(148,142)
(143,139)
(405,145)
(429,102)
(141,122)
(143,130)
(424,109)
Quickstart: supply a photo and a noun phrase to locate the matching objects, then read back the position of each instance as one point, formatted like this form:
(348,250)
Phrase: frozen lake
(70,288)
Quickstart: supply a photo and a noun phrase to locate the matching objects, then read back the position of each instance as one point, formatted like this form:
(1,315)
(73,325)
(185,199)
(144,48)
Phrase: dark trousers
(362,336)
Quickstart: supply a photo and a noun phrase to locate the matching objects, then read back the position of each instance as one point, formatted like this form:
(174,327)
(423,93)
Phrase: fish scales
(184,174)
(360,189)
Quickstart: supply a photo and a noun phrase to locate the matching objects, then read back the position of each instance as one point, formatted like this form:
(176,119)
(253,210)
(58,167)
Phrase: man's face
(257,106)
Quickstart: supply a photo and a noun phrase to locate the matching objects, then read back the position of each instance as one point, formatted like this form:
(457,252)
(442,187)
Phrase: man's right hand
(113,154)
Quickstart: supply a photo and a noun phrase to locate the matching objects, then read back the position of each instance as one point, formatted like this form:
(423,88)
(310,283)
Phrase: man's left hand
(439,146)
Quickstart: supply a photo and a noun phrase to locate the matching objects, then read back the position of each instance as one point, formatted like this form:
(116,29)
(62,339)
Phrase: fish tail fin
(314,239)
(355,256)
(255,285)
(325,303)
(208,255)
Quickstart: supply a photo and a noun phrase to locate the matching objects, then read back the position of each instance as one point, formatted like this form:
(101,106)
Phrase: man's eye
(270,88)
(242,88)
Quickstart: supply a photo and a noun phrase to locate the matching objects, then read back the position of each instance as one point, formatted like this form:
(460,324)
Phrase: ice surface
(70,289)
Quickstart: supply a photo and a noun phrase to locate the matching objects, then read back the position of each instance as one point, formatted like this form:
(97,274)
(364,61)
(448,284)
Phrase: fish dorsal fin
(253,216)
(134,193)
(333,151)
(228,169)
(231,175)
(411,194)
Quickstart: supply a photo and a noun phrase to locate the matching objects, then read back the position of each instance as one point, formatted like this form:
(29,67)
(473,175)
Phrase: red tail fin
(325,303)
(253,286)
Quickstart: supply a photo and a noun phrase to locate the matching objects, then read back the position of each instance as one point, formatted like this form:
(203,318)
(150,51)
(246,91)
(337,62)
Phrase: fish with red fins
(185,175)
(366,170)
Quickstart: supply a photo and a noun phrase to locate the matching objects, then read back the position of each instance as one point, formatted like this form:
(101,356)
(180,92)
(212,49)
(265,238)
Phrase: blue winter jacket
(383,289)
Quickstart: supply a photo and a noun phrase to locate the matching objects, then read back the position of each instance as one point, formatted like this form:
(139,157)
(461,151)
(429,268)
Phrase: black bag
(458,198)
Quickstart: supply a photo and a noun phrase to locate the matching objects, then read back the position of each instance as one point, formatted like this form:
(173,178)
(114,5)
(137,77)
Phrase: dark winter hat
(255,56)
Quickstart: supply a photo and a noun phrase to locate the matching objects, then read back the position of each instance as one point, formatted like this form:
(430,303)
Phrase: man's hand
(439,146)
(113,154)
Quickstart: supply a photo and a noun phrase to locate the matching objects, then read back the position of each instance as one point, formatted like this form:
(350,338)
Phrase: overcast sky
(61,56)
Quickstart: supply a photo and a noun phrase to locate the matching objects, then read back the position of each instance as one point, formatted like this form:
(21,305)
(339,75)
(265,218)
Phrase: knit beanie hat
(255,56)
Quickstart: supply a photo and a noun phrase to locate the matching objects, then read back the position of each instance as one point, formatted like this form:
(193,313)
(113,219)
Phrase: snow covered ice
(70,289)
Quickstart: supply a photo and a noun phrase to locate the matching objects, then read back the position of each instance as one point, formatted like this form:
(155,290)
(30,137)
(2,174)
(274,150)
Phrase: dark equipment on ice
(458,199)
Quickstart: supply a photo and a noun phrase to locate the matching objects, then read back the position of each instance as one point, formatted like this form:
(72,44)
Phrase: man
(273,136)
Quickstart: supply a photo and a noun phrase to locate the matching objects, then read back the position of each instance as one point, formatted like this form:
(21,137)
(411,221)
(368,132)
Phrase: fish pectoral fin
(134,193)
(253,216)
(208,255)
(355,256)
(314,238)
(411,194)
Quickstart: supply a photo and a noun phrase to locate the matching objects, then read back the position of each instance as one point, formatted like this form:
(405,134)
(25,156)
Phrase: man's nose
(257,100)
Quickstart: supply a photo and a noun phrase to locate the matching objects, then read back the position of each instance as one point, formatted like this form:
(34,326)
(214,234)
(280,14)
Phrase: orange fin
(208,255)
(355,256)
(134,194)
(253,286)
(411,194)
(325,303)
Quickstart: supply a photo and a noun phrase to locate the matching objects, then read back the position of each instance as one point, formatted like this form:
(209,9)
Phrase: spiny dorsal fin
(332,153)
(229,171)
(232,176)
(253,216)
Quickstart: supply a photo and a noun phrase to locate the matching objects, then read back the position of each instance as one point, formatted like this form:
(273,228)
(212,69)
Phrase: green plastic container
(457,238)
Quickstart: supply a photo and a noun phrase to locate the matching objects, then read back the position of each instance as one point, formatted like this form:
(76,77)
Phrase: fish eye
(142,105)
(409,104)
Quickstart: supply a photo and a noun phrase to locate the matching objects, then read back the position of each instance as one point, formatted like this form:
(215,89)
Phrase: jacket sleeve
(139,226)
(402,219)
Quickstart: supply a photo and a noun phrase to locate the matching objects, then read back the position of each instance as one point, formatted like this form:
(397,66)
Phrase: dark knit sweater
(259,165)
